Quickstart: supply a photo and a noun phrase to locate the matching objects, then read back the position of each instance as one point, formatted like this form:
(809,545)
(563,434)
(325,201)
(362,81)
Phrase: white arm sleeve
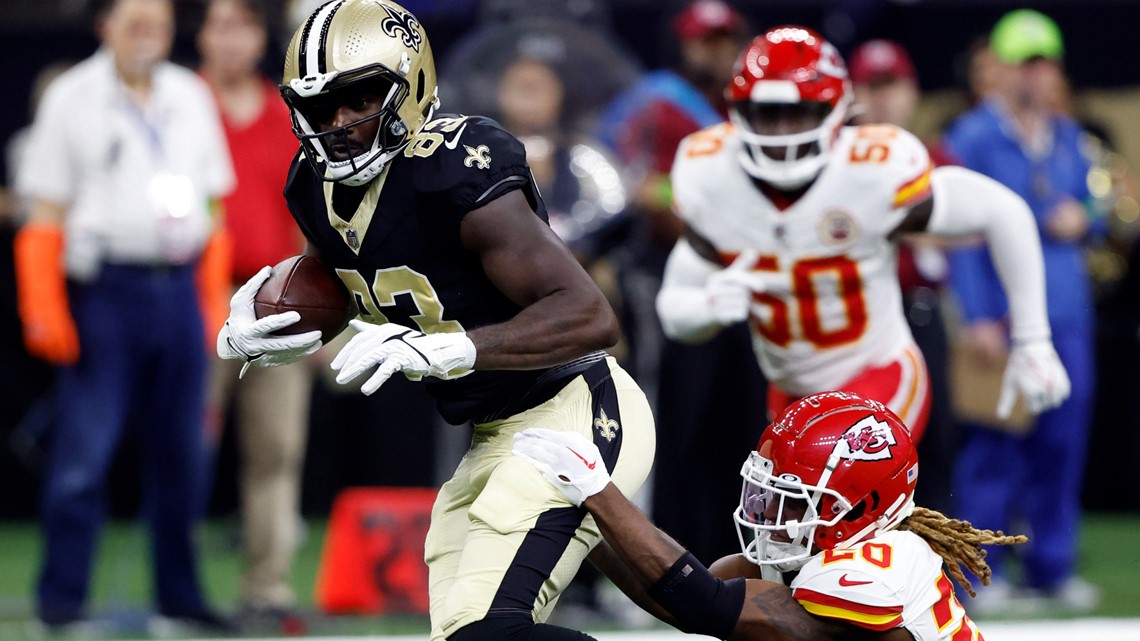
(47,168)
(682,303)
(966,202)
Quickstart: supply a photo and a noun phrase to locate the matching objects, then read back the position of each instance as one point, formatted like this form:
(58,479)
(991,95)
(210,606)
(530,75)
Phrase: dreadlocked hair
(958,543)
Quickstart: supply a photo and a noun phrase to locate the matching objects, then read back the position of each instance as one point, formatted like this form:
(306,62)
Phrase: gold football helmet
(347,47)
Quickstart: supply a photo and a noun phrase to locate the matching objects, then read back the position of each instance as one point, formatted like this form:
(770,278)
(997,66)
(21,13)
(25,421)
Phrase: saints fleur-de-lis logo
(478,157)
(403,25)
(606,426)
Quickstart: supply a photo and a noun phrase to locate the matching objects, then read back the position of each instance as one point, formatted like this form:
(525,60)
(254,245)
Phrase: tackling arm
(651,564)
(611,564)
(699,602)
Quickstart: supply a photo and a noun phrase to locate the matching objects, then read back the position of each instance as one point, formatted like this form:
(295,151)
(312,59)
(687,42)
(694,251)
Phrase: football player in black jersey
(435,225)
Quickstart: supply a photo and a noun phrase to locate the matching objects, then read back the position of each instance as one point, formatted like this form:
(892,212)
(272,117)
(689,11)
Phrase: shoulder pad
(839,585)
(698,166)
(899,160)
(706,143)
(459,152)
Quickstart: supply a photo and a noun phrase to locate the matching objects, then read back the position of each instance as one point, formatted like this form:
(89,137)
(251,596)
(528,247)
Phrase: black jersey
(400,254)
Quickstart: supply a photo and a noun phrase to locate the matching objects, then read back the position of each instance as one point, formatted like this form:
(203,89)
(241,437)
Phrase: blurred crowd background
(550,70)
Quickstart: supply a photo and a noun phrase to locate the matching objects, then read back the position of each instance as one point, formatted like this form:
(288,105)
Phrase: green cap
(1025,34)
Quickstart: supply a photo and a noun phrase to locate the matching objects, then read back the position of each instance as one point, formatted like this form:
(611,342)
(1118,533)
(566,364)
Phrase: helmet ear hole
(421,80)
(857,511)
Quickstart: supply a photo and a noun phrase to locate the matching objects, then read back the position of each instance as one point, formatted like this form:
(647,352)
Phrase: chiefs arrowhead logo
(868,440)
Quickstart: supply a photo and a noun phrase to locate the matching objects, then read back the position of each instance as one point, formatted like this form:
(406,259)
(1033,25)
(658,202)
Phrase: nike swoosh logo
(589,465)
(454,142)
(845,582)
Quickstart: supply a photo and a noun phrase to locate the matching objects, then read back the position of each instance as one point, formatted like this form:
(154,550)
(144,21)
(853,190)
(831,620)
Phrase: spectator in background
(579,184)
(272,404)
(983,71)
(1016,137)
(709,398)
(125,158)
(29,408)
(886,91)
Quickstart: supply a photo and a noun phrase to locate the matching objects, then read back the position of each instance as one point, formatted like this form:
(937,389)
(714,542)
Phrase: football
(305,285)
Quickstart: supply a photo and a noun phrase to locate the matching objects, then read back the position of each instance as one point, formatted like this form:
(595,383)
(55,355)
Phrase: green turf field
(1110,558)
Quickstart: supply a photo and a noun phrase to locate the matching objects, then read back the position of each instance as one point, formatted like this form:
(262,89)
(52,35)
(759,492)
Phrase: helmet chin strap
(789,173)
(785,557)
(375,166)
(888,521)
(789,177)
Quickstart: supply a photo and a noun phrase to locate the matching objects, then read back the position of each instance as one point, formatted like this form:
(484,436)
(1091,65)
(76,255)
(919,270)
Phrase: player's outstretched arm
(966,202)
(564,314)
(609,563)
(657,566)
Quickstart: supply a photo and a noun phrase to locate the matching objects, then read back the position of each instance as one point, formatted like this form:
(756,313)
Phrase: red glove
(41,292)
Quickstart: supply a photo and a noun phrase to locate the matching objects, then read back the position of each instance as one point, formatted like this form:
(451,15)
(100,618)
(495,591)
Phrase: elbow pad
(701,603)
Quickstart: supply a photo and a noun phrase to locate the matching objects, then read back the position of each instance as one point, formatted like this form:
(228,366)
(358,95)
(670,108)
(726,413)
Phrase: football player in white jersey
(791,222)
(834,548)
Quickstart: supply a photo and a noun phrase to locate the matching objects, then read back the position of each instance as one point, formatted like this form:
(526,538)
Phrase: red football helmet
(835,469)
(788,97)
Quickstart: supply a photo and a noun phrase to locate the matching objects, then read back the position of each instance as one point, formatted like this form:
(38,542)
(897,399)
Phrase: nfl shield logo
(351,239)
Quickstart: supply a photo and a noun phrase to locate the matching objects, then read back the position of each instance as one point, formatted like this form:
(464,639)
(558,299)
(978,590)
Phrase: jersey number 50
(805,272)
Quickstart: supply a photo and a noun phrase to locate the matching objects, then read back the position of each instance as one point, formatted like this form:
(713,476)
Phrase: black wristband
(701,603)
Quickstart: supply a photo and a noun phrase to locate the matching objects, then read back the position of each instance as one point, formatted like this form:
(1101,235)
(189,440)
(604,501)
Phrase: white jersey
(891,581)
(831,304)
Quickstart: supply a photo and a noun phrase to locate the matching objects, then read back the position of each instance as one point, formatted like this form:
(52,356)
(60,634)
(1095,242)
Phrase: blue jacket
(983,140)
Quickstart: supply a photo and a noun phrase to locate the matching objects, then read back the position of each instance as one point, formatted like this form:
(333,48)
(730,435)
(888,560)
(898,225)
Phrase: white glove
(730,289)
(568,460)
(395,348)
(1035,372)
(246,337)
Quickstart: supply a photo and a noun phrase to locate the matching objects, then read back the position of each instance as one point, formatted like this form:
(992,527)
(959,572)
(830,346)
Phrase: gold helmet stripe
(312,50)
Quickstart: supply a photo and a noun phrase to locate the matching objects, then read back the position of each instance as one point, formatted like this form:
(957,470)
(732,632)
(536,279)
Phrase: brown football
(305,285)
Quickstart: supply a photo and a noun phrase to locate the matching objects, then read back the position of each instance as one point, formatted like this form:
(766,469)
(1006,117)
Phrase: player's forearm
(646,551)
(685,315)
(683,302)
(557,328)
(695,600)
(967,202)
(614,567)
